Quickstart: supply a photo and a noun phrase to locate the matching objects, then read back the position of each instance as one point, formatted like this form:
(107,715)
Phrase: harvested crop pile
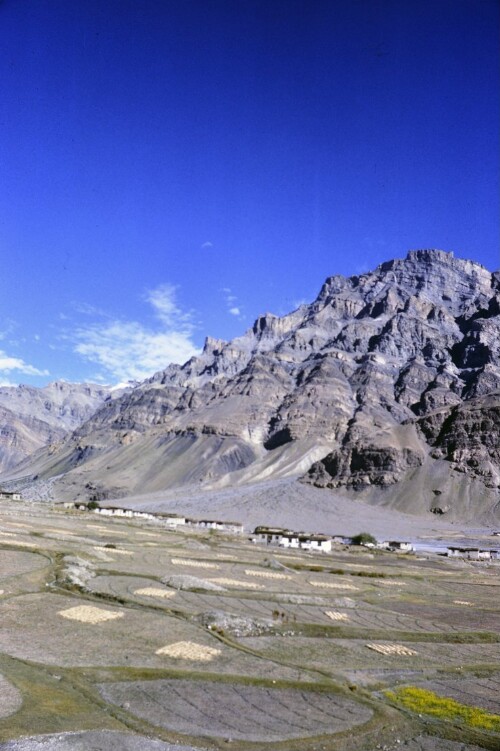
(336,616)
(332,585)
(90,614)
(389,582)
(188,650)
(392,649)
(154,592)
(114,550)
(266,574)
(190,562)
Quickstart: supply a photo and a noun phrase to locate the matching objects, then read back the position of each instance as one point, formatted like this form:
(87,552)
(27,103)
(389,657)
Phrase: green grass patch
(422,701)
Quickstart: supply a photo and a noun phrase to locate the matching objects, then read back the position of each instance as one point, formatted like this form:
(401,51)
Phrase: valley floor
(297,506)
(121,634)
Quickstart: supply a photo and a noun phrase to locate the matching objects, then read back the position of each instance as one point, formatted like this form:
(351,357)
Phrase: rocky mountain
(387,385)
(31,417)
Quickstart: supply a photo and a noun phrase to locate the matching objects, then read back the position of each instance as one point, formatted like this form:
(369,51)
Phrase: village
(277,536)
(266,535)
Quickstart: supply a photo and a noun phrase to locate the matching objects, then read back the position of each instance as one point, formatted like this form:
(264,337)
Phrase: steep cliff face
(382,375)
(468,437)
(31,418)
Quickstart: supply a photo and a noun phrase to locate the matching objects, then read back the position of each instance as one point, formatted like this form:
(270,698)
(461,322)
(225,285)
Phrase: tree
(364,538)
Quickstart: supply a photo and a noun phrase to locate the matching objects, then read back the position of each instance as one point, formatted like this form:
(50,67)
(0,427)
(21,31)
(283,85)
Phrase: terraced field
(120,634)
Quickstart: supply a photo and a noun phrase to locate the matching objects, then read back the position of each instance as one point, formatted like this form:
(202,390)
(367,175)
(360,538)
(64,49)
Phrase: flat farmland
(123,634)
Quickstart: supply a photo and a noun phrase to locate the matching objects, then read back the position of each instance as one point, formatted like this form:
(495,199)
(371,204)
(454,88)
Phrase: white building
(114,511)
(401,545)
(6,495)
(171,520)
(270,535)
(320,543)
(472,554)
(289,540)
(313,542)
(220,526)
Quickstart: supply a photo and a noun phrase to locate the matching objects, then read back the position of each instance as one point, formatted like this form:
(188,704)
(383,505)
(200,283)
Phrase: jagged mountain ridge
(356,390)
(32,417)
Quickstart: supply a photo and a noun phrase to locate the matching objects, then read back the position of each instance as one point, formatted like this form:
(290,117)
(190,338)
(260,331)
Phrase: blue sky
(173,168)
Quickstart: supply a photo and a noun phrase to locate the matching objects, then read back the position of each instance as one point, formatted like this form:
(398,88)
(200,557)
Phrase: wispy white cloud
(8,364)
(85,309)
(231,300)
(163,301)
(129,350)
(207,245)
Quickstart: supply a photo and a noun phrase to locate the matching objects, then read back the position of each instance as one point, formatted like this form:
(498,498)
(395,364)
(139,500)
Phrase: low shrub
(424,701)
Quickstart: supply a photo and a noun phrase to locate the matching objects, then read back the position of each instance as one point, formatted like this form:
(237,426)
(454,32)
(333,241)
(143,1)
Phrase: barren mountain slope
(386,377)
(33,417)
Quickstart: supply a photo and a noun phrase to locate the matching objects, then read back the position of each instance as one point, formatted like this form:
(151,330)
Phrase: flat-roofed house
(270,535)
(402,545)
(114,511)
(471,554)
(321,543)
(290,540)
(171,520)
(7,495)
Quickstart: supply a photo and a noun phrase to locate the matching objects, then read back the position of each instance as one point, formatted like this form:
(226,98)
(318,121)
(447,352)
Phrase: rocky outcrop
(384,377)
(358,466)
(468,437)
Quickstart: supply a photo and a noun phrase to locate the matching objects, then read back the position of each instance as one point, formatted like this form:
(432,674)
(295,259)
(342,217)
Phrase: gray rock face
(31,417)
(382,375)
(467,436)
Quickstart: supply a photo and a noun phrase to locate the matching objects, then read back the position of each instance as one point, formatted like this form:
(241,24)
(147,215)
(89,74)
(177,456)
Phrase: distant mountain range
(387,386)
(34,417)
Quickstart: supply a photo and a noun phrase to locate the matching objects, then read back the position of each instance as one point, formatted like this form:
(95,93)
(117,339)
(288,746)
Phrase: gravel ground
(428,743)
(94,740)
